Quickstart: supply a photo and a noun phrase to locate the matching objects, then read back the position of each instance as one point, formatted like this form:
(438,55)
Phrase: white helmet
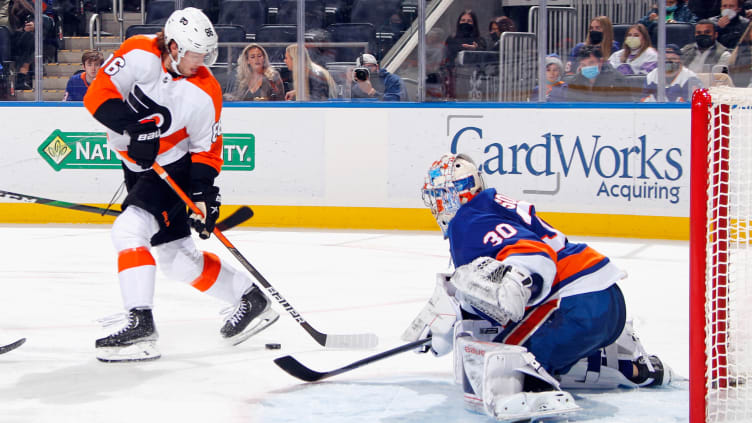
(192,31)
(452,181)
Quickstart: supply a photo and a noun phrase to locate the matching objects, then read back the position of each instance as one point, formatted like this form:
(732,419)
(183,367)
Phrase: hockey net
(721,256)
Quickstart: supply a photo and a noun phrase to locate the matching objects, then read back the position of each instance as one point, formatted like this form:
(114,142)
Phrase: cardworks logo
(89,150)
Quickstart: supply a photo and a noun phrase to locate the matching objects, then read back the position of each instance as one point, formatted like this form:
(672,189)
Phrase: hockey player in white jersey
(160,102)
(526,312)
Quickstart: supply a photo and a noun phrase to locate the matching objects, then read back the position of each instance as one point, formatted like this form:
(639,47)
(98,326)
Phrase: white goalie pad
(437,317)
(601,371)
(493,377)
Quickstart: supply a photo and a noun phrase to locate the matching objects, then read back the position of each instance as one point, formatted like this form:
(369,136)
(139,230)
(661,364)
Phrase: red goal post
(720,339)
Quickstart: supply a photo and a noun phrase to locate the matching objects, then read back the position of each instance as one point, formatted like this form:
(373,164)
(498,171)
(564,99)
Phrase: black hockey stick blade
(296,369)
(236,218)
(55,203)
(10,347)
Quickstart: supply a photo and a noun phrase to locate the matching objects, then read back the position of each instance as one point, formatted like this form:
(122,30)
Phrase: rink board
(616,171)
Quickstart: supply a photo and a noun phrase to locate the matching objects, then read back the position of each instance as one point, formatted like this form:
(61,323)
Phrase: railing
(518,65)
(562,28)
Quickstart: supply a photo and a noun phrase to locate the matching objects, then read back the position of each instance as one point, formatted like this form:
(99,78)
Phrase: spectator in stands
(704,9)
(317,85)
(556,88)
(79,83)
(596,80)
(680,81)
(731,24)
(740,62)
(466,37)
(371,82)
(256,79)
(706,51)
(637,55)
(601,34)
(4,9)
(497,27)
(21,19)
(676,11)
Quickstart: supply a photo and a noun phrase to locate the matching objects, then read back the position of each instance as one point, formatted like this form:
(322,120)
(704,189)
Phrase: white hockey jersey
(187,110)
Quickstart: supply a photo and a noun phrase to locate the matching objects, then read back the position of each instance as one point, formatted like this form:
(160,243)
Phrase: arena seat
(249,14)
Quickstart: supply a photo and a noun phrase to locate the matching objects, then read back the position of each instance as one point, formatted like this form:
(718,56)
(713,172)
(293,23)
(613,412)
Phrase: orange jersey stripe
(102,88)
(213,157)
(531,322)
(526,246)
(209,274)
(135,257)
(568,266)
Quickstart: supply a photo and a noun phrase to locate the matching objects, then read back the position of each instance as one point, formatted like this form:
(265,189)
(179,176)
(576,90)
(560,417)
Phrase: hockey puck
(273,346)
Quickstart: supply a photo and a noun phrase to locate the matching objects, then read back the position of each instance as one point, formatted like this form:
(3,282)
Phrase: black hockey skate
(660,375)
(134,342)
(252,315)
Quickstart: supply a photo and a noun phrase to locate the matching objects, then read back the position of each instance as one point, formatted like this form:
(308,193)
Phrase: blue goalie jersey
(493,225)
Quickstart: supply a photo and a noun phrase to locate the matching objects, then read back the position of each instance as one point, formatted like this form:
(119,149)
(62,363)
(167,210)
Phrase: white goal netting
(728,317)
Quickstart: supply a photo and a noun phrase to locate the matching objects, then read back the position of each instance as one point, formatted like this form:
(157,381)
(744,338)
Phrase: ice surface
(56,281)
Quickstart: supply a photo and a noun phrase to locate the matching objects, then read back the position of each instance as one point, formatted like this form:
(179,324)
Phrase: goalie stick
(363,340)
(296,369)
(236,218)
(12,346)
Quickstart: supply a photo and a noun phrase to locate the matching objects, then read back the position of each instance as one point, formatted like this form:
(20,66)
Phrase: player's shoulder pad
(145,42)
(206,81)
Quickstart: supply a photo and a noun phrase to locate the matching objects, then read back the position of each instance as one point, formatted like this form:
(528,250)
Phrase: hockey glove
(208,200)
(144,145)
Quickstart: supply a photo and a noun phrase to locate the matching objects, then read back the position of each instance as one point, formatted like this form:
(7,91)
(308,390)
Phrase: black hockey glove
(144,145)
(208,200)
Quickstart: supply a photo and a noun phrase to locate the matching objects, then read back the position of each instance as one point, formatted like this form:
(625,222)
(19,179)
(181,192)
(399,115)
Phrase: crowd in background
(605,66)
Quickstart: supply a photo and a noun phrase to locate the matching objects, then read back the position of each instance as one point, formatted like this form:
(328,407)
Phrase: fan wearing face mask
(596,80)
(680,81)
(706,52)
(731,23)
(601,34)
(638,57)
(466,37)
(676,11)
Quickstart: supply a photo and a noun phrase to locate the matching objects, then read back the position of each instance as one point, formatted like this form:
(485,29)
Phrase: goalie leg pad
(494,381)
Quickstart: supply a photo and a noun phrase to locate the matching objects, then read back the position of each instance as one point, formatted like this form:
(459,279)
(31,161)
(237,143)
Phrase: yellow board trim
(379,218)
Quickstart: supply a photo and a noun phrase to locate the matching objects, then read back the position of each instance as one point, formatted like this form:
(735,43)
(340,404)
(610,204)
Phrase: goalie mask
(452,181)
(192,31)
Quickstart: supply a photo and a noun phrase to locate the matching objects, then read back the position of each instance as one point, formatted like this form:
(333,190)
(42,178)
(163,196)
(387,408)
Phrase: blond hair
(301,86)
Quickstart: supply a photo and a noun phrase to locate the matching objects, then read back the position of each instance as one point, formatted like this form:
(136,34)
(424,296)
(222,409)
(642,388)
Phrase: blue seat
(352,32)
(279,34)
(375,12)
(4,45)
(679,33)
(143,29)
(229,34)
(157,11)
(250,14)
(620,31)
(314,13)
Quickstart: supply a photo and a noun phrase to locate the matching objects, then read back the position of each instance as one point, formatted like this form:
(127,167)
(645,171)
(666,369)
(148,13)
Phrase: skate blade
(140,351)
(265,319)
(527,406)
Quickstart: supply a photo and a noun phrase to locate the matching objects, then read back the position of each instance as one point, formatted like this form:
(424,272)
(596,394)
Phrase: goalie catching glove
(207,200)
(493,288)
(144,145)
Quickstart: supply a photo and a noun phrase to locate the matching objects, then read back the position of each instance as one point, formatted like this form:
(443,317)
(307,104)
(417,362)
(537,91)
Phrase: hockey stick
(363,340)
(236,218)
(12,346)
(292,366)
